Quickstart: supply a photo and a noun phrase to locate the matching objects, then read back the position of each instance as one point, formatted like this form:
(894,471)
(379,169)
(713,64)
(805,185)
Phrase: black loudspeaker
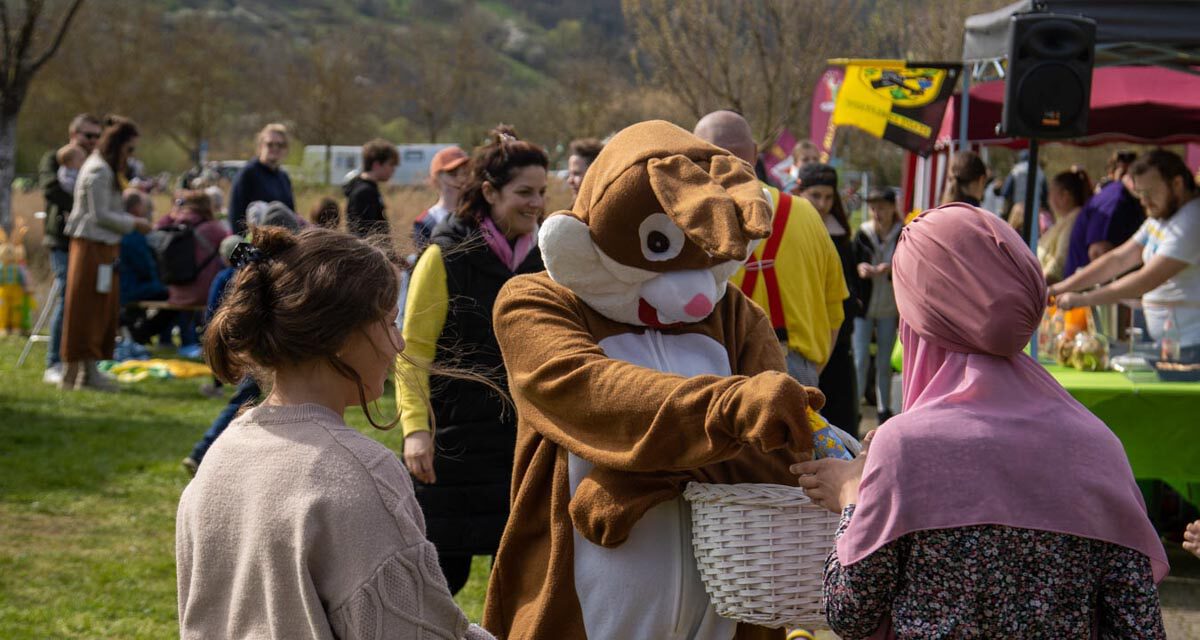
(1049,85)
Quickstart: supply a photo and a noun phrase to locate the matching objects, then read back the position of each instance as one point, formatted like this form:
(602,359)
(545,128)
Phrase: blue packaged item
(829,441)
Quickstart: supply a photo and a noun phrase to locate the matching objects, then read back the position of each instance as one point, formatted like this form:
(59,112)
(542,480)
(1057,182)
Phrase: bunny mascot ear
(721,210)
(738,178)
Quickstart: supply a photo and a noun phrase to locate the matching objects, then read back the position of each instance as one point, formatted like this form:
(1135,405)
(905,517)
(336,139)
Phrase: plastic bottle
(1051,326)
(1170,339)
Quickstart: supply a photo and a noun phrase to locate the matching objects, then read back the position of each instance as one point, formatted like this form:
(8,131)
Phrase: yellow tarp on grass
(138,370)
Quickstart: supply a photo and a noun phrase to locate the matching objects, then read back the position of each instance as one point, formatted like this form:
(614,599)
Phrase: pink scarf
(987,436)
(512,257)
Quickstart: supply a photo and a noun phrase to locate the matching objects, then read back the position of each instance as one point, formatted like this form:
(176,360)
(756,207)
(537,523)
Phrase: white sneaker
(53,374)
(96,379)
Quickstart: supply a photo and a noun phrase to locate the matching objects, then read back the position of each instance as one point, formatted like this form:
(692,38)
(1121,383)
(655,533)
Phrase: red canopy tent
(1148,105)
(1143,85)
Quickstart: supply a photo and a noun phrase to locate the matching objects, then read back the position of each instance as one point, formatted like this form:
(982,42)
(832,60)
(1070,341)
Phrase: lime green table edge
(1157,423)
(1100,380)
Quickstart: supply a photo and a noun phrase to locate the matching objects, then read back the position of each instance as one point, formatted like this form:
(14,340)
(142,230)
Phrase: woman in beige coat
(95,226)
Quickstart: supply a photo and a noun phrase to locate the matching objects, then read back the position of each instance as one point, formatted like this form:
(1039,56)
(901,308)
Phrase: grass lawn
(89,483)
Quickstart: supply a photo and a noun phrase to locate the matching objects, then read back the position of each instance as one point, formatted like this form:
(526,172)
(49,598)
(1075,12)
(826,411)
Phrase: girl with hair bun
(298,525)
(459,432)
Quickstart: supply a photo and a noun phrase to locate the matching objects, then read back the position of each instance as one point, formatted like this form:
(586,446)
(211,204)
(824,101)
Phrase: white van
(345,162)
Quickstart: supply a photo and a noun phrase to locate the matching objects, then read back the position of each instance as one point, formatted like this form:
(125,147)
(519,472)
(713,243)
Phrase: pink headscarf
(987,436)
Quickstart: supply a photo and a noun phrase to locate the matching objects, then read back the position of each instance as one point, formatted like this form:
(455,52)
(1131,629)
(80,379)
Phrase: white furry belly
(649,586)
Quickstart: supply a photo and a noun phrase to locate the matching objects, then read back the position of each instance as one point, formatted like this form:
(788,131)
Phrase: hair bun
(503,133)
(273,241)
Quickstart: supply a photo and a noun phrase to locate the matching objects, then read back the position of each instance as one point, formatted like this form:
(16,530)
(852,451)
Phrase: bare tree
(758,57)
(197,93)
(446,77)
(921,30)
(586,93)
(30,38)
(162,70)
(326,94)
(580,99)
(108,67)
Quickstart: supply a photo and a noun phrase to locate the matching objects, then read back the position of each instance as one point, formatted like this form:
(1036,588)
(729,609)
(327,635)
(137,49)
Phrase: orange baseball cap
(447,159)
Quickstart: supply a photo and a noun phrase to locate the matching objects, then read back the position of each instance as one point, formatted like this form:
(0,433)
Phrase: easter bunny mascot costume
(635,368)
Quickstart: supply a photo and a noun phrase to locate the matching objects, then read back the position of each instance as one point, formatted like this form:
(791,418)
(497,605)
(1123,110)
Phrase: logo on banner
(905,87)
(891,100)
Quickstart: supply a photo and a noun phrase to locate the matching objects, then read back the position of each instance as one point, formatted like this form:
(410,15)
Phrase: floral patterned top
(994,582)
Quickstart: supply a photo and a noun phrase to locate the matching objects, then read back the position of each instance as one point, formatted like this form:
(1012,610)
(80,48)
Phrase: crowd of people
(1131,237)
(528,347)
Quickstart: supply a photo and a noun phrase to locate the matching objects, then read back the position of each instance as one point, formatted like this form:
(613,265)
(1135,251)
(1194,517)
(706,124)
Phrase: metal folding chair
(43,320)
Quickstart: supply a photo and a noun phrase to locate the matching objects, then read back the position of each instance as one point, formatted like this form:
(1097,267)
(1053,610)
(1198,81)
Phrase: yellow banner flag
(892,100)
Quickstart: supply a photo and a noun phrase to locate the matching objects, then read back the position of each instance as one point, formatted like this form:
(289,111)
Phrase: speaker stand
(1029,227)
(1031,196)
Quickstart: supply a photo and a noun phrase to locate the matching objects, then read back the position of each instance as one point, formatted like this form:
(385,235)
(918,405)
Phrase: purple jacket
(1112,215)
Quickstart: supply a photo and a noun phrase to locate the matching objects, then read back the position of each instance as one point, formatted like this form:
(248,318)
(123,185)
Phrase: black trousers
(840,386)
(457,570)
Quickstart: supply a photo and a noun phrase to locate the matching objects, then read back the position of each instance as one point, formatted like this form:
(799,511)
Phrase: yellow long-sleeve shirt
(811,284)
(424,318)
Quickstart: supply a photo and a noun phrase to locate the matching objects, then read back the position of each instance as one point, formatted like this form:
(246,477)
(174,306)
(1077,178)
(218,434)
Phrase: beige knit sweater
(298,526)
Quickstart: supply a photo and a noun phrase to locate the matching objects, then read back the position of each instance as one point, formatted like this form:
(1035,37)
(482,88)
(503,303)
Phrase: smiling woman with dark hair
(463,487)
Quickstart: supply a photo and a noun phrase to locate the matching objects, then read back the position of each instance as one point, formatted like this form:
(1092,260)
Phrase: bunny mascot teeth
(635,368)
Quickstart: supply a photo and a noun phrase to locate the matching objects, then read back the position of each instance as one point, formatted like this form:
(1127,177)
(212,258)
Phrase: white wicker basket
(761,551)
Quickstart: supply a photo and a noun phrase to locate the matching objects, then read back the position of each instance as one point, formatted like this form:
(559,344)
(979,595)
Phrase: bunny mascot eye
(661,239)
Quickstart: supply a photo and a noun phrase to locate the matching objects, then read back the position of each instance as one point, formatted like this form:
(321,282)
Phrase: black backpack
(175,248)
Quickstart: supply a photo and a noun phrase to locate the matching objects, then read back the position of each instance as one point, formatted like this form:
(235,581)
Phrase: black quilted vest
(466,510)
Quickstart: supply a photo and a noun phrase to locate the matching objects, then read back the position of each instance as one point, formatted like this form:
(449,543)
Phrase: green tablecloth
(1158,422)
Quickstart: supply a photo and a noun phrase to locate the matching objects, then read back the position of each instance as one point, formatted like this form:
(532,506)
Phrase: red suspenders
(767,265)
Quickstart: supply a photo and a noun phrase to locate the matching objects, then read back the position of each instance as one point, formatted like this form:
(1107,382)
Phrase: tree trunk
(8,165)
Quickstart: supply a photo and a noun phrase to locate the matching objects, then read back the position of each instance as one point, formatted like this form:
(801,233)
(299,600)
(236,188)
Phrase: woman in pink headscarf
(995,506)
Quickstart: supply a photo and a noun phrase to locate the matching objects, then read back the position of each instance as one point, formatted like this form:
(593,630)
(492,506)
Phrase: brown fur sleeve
(625,417)
(609,502)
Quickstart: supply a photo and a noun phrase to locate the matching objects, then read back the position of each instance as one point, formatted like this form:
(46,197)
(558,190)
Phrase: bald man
(795,275)
(730,131)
